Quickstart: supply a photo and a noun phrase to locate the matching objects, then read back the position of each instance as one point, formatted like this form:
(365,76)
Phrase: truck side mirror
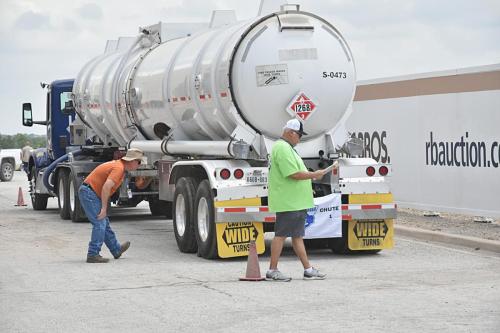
(27,115)
(69,108)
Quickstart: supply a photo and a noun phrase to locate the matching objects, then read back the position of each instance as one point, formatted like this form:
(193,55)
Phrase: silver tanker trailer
(206,108)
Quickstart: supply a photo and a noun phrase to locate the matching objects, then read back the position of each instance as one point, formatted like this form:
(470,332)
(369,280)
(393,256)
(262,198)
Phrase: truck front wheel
(204,212)
(38,201)
(183,215)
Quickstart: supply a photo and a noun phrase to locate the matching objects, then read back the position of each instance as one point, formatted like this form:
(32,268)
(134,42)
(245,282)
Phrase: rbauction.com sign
(440,132)
(463,153)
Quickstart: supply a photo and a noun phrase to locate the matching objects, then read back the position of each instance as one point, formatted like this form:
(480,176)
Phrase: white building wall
(420,178)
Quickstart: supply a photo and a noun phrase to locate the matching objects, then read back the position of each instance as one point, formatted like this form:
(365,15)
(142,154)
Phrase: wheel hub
(203,219)
(7,171)
(71,195)
(180,215)
(61,193)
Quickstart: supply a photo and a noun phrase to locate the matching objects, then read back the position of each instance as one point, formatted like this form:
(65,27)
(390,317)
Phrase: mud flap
(371,234)
(233,238)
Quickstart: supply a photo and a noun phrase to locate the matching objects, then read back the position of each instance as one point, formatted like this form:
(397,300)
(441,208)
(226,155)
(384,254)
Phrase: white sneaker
(276,275)
(314,275)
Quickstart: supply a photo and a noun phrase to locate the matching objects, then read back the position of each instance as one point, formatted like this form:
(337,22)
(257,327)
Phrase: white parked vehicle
(10,161)
(16,153)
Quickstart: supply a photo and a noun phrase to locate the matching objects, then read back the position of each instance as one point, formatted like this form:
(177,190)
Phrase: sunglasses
(298,133)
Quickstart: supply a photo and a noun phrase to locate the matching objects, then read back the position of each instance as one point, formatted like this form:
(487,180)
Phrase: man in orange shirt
(94,194)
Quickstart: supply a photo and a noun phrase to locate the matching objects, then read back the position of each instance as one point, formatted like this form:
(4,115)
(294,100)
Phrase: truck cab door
(58,137)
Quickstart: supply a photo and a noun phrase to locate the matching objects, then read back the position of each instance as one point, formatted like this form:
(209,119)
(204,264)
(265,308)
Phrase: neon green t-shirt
(285,193)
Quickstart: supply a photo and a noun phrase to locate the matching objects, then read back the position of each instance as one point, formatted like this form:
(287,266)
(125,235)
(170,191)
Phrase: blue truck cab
(58,127)
(58,118)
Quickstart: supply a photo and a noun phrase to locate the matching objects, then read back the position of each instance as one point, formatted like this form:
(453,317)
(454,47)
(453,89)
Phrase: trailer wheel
(63,195)
(319,243)
(38,201)
(160,208)
(7,172)
(339,246)
(204,213)
(183,218)
(76,210)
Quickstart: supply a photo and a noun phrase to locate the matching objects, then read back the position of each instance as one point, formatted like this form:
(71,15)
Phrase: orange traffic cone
(20,200)
(253,269)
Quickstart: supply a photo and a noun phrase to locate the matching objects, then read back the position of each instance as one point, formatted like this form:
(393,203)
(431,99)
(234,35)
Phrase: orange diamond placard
(301,106)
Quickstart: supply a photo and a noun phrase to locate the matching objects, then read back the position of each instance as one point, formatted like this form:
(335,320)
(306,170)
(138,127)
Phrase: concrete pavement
(46,286)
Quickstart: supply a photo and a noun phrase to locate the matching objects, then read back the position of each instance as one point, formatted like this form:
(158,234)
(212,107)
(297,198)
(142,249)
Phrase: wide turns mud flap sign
(233,238)
(371,234)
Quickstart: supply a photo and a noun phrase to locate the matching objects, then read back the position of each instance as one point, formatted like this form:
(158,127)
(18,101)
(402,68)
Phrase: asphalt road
(46,286)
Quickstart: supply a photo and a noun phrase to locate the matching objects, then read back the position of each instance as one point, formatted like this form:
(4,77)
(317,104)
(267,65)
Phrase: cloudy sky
(45,40)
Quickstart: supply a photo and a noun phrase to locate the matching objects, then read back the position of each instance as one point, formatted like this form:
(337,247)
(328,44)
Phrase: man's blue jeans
(101,230)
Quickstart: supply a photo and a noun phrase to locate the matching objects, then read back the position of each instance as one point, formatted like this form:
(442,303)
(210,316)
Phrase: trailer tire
(318,243)
(204,212)
(182,213)
(160,208)
(76,211)
(339,246)
(38,201)
(63,195)
(7,172)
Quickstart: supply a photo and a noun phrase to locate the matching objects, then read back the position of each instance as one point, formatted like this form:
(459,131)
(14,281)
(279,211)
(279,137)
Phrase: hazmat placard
(371,234)
(301,106)
(233,238)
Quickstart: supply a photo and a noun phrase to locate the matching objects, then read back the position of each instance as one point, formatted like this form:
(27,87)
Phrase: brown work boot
(124,247)
(97,259)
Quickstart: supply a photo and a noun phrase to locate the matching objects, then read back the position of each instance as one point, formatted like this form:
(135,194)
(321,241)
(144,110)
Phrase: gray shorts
(290,224)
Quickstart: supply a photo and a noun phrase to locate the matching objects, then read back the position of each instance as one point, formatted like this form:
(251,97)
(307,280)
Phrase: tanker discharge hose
(52,166)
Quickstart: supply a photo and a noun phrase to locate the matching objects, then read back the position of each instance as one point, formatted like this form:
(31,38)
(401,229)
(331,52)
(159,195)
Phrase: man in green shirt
(290,195)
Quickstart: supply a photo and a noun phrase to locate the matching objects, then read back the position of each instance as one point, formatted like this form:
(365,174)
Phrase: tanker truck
(206,109)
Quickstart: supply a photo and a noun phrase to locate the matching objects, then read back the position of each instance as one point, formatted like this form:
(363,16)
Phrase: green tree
(19,141)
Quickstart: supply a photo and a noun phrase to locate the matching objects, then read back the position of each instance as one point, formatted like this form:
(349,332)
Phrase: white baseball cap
(296,125)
